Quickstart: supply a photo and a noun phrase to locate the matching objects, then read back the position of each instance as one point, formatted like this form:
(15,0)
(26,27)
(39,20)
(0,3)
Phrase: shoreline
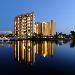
(36,39)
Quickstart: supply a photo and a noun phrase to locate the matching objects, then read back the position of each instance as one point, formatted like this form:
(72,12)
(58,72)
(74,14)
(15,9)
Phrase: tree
(2,35)
(72,34)
(10,35)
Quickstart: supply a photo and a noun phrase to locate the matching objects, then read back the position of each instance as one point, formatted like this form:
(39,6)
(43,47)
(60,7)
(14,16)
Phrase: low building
(45,28)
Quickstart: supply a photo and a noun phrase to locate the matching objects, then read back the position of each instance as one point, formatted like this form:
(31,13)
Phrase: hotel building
(45,28)
(24,25)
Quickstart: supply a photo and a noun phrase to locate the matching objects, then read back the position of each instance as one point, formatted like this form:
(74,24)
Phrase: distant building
(45,28)
(6,32)
(53,25)
(38,27)
(24,25)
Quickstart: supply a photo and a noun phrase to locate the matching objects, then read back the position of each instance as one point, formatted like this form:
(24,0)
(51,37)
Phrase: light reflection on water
(43,56)
(26,51)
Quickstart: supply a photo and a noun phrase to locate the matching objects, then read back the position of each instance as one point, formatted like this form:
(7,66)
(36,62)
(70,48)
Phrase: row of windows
(25,18)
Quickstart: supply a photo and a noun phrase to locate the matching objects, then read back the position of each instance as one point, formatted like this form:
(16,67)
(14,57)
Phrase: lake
(37,57)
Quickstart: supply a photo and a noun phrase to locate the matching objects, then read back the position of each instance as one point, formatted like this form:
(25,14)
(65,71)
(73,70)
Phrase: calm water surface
(23,57)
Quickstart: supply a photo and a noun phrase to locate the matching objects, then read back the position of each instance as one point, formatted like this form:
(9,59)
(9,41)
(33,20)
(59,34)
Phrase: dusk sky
(61,11)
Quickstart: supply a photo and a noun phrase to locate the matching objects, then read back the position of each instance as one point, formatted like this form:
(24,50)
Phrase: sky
(61,11)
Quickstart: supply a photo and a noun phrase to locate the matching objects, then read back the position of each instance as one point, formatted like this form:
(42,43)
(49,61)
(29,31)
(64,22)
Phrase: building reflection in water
(26,50)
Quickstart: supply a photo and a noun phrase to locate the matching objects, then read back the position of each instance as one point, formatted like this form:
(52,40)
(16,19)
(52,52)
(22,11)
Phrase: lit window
(27,21)
(18,18)
(23,20)
(31,14)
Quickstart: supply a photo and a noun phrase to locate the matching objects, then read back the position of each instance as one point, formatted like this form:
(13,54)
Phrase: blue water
(23,57)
